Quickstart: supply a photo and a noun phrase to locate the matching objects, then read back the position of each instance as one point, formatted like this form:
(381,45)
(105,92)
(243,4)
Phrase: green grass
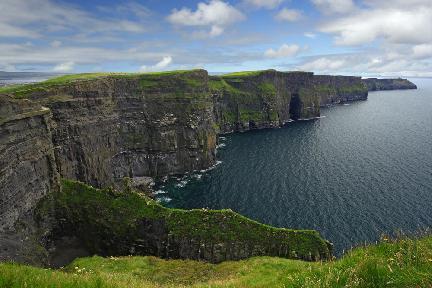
(98,215)
(404,263)
(244,73)
(21,91)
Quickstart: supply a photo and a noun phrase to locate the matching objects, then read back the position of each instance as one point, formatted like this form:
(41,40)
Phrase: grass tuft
(406,262)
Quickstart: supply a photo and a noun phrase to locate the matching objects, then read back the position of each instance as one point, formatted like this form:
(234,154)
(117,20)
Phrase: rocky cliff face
(27,164)
(339,89)
(115,127)
(101,129)
(264,99)
(28,173)
(375,84)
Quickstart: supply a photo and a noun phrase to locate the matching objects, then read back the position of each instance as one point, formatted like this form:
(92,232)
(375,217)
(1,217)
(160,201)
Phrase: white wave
(312,118)
(164,199)
(221,145)
(182,183)
(212,167)
(158,192)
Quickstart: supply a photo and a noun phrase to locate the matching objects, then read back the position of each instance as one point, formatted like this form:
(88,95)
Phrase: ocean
(362,170)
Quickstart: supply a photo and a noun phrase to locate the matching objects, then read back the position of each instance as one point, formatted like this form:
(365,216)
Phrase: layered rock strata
(100,129)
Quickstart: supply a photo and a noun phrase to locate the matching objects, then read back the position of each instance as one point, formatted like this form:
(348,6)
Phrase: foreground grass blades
(403,263)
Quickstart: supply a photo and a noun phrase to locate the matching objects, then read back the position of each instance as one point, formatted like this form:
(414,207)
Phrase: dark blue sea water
(362,170)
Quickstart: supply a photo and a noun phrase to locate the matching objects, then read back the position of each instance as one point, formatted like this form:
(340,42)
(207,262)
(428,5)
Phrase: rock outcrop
(126,223)
(375,84)
(99,129)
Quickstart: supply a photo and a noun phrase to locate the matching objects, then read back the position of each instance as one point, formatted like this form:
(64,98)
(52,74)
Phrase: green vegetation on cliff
(399,264)
(147,80)
(105,219)
(245,73)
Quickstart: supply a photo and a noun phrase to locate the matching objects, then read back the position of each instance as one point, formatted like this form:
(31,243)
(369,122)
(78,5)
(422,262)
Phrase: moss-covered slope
(112,223)
(400,264)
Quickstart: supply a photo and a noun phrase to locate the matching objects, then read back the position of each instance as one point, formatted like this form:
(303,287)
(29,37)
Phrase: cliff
(339,89)
(265,99)
(375,84)
(101,128)
(28,173)
(126,223)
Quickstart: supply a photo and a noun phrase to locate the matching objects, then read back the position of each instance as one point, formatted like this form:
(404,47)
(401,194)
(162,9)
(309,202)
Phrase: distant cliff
(263,99)
(102,128)
(375,84)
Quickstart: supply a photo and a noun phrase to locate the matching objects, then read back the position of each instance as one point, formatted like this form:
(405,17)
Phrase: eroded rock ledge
(101,128)
(109,222)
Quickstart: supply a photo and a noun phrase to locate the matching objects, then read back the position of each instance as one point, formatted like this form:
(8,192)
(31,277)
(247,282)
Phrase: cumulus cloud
(161,65)
(216,14)
(289,15)
(393,24)
(64,67)
(334,6)
(399,33)
(266,4)
(284,51)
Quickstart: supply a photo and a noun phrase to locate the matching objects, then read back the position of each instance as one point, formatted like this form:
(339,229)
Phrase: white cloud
(267,4)
(334,6)
(422,51)
(161,65)
(27,18)
(64,67)
(284,51)
(378,63)
(324,64)
(290,15)
(216,14)
(393,24)
(310,35)
(7,30)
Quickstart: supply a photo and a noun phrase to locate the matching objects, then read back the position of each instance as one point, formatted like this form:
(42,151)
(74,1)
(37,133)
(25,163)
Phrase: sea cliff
(101,129)
(375,84)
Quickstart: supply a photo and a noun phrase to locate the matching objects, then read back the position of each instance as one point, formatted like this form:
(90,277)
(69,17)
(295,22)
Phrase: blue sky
(364,37)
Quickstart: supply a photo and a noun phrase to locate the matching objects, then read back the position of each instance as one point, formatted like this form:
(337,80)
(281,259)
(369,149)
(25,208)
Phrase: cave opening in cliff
(295,107)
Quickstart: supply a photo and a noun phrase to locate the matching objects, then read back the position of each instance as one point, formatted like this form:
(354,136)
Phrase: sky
(346,37)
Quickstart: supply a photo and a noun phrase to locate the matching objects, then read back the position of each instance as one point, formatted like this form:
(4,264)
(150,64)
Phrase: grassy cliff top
(21,90)
(117,214)
(399,264)
(246,73)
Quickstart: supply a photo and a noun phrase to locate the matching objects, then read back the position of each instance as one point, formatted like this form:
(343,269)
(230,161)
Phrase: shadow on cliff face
(67,249)
(295,106)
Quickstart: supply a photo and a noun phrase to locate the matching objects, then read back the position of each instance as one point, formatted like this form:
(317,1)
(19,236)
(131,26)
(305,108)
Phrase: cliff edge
(101,128)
